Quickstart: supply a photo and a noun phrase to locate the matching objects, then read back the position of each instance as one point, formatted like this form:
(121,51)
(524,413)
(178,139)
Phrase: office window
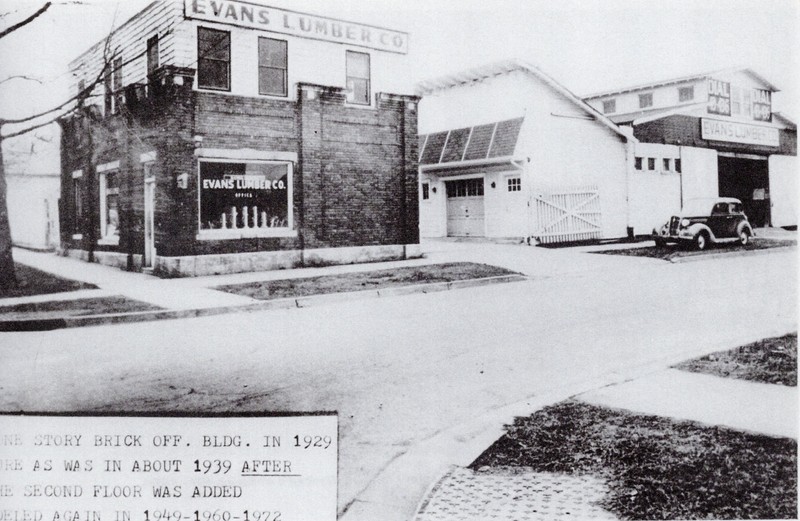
(651,163)
(152,55)
(213,59)
(245,196)
(666,165)
(358,77)
(426,191)
(609,106)
(109,206)
(637,163)
(685,93)
(514,184)
(645,100)
(272,67)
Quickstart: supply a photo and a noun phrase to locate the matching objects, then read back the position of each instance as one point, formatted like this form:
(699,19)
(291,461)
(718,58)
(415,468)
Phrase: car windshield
(697,207)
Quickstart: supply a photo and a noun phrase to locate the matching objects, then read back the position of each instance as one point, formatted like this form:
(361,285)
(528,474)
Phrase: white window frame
(102,172)
(509,179)
(248,233)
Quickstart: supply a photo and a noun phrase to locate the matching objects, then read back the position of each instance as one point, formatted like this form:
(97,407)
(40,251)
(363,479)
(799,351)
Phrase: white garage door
(465,216)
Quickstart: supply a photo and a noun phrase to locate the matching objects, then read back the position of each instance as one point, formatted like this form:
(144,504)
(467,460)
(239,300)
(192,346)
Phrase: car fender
(696,228)
(744,225)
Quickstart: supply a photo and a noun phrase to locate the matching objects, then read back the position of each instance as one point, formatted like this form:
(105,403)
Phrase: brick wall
(355,182)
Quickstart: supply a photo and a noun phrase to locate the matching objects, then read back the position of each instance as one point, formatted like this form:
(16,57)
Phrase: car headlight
(685,223)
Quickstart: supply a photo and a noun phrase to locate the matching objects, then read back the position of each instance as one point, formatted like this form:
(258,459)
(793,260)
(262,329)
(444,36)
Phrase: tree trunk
(8,276)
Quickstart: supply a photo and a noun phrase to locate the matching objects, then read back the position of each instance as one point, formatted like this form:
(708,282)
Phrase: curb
(50,324)
(730,254)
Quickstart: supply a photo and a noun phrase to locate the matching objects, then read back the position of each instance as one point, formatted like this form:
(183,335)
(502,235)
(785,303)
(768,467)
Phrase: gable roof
(683,79)
(491,70)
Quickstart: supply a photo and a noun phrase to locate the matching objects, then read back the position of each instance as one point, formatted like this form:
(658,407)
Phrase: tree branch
(26,21)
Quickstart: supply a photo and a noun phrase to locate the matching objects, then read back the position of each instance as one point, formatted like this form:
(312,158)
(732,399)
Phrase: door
(465,211)
(149,221)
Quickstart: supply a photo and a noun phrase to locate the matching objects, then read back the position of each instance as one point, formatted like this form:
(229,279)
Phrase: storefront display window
(251,197)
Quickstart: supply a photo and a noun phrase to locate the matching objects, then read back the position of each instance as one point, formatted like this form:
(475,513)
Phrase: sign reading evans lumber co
(731,131)
(245,14)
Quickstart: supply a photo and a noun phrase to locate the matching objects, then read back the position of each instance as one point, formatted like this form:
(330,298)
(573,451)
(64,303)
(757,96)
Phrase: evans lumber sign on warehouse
(255,16)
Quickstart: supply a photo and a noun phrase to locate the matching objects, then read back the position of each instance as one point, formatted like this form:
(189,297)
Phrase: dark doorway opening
(748,181)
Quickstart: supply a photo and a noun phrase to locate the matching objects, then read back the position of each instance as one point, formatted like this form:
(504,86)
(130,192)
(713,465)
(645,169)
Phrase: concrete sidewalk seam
(50,324)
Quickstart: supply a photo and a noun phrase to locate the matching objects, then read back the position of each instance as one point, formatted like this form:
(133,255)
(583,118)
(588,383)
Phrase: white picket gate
(568,214)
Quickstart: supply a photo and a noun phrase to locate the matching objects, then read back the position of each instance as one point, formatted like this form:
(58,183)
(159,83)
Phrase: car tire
(744,237)
(700,241)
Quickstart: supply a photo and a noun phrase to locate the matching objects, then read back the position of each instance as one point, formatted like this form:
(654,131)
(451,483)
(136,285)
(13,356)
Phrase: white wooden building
(508,152)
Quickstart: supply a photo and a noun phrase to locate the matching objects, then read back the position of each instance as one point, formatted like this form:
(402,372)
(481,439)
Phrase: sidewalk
(516,494)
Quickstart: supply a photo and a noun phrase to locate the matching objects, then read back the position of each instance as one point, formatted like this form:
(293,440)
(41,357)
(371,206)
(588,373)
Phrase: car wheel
(744,237)
(700,241)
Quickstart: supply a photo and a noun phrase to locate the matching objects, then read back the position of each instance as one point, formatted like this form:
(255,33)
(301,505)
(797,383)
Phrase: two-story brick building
(229,136)
(707,135)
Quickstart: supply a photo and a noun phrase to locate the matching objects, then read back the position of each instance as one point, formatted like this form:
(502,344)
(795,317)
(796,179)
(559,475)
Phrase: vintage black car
(706,221)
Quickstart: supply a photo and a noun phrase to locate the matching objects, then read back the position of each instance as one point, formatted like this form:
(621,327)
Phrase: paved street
(406,372)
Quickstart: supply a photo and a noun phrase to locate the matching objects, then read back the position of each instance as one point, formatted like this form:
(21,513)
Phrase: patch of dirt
(31,281)
(672,251)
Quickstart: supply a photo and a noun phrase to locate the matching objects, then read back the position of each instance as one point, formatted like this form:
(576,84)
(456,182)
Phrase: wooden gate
(568,214)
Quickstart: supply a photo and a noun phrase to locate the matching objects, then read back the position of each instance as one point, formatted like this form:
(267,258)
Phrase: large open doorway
(747,179)
(465,214)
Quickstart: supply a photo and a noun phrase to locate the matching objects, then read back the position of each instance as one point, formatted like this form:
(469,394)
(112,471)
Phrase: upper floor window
(645,100)
(272,67)
(609,106)
(152,55)
(358,77)
(686,93)
(213,59)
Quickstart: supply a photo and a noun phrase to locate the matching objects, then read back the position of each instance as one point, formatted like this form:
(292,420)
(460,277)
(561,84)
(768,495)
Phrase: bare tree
(24,125)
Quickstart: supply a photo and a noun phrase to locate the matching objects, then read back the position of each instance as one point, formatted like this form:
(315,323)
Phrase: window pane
(212,73)
(272,81)
(213,44)
(271,53)
(357,65)
(360,90)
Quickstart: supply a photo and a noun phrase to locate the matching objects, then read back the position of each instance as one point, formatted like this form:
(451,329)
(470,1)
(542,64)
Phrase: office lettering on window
(272,67)
(358,77)
(213,59)
(245,196)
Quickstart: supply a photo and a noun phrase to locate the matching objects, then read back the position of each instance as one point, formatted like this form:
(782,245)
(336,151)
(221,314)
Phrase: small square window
(685,93)
(637,163)
(514,184)
(426,191)
(609,106)
(645,100)
(666,165)
(678,165)
(651,163)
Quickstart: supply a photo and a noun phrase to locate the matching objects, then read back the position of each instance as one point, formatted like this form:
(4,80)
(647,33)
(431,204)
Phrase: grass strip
(73,308)
(31,281)
(378,279)
(673,251)
(771,361)
(656,468)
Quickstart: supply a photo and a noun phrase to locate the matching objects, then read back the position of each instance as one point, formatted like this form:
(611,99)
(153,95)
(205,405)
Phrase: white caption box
(133,468)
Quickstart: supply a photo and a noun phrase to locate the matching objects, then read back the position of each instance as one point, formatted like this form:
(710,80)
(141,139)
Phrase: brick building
(708,135)
(228,136)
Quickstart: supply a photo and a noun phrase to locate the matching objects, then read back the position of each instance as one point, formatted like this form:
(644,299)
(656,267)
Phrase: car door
(718,220)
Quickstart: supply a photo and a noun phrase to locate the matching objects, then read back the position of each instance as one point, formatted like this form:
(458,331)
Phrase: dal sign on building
(232,136)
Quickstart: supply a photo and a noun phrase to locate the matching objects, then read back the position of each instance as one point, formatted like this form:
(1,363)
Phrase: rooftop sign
(255,16)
